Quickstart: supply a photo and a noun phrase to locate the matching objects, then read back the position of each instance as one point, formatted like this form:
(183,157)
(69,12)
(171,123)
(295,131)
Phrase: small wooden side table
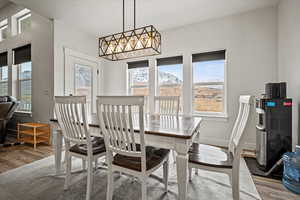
(34,133)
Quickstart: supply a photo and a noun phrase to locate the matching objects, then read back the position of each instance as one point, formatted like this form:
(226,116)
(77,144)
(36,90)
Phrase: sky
(208,71)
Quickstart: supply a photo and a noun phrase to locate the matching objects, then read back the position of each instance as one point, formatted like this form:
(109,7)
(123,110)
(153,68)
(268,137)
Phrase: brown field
(207,99)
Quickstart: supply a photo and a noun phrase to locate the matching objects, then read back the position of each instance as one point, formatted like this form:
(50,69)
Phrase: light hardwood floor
(16,156)
(270,189)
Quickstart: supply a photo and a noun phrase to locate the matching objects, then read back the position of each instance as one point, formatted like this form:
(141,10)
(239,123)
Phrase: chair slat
(120,126)
(126,131)
(167,105)
(131,129)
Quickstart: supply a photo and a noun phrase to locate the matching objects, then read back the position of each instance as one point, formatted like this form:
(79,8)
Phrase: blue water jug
(291,172)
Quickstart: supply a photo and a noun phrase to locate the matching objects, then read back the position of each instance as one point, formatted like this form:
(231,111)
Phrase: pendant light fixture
(139,42)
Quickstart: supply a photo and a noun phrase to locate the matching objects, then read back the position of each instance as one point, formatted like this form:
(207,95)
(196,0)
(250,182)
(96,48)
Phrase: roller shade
(170,61)
(3,59)
(138,64)
(22,54)
(214,55)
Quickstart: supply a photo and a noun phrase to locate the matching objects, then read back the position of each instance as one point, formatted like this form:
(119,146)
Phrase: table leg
(182,179)
(57,143)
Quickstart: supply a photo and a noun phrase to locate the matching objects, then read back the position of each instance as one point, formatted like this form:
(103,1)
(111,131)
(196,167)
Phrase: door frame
(70,54)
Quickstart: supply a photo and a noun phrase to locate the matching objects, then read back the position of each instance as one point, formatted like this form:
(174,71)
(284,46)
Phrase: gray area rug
(36,181)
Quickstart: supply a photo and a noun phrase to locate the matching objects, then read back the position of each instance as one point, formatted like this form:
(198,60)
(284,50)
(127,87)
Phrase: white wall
(251,43)
(69,37)
(41,38)
(289,55)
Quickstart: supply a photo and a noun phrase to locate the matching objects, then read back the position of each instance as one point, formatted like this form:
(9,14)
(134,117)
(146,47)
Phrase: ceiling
(101,17)
(3,3)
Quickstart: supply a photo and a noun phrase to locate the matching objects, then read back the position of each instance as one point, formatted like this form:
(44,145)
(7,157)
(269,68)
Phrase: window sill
(213,116)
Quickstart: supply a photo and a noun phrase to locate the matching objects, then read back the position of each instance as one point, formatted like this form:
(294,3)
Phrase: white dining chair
(71,114)
(217,159)
(126,150)
(167,105)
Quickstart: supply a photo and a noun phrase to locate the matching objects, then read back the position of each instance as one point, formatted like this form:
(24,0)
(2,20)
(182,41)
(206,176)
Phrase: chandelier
(139,42)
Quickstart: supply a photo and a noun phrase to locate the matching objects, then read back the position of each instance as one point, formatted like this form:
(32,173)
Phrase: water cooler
(274,127)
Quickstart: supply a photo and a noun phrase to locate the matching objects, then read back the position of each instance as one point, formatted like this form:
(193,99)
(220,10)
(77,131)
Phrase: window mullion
(187,86)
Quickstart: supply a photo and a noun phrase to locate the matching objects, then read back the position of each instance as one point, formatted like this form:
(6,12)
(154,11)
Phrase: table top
(33,125)
(163,125)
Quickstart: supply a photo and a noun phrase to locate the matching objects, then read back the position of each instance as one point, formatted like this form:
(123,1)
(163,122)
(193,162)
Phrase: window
(83,82)
(138,78)
(3,81)
(208,82)
(24,21)
(169,77)
(22,59)
(3,29)
(3,74)
(24,78)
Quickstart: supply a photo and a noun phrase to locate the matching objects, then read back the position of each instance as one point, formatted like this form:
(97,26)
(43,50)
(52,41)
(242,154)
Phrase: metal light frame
(139,42)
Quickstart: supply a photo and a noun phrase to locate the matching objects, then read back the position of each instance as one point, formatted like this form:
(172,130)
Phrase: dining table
(162,131)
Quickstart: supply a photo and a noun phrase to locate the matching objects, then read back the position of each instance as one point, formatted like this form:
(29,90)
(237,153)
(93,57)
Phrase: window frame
(127,79)
(20,18)
(2,27)
(4,81)
(147,98)
(19,80)
(223,114)
(157,86)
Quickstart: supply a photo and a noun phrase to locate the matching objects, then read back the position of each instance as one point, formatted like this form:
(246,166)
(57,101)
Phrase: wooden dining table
(162,131)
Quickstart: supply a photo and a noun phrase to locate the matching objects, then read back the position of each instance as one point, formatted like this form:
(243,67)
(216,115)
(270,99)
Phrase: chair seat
(98,147)
(210,156)
(154,157)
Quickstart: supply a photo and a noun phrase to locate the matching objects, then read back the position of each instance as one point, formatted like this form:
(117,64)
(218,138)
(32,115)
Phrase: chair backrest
(135,109)
(71,114)
(236,138)
(167,105)
(117,125)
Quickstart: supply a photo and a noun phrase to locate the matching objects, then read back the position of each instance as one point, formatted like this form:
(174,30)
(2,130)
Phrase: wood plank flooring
(270,189)
(16,156)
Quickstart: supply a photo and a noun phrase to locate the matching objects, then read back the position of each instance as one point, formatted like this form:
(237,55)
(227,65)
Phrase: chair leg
(235,180)
(68,170)
(110,185)
(89,179)
(174,156)
(190,173)
(199,142)
(166,174)
(235,186)
(96,164)
(83,164)
(144,188)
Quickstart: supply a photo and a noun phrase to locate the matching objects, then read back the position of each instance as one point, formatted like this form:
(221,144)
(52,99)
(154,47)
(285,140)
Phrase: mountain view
(206,98)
